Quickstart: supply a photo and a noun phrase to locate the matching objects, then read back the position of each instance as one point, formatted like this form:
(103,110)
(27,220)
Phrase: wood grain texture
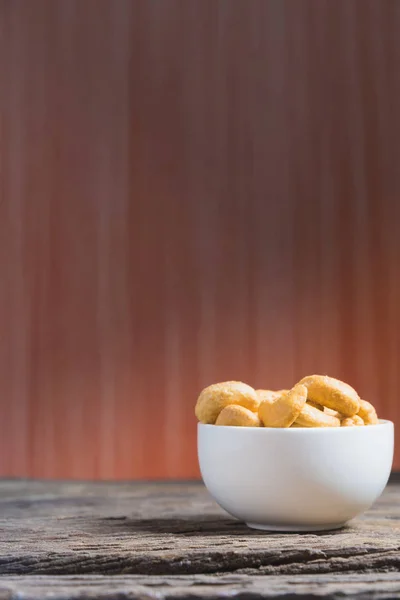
(191,191)
(366,586)
(174,529)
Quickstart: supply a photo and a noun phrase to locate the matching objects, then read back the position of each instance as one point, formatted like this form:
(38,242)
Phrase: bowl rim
(298,430)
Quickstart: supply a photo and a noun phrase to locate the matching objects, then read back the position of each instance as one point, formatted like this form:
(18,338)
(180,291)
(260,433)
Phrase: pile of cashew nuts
(316,401)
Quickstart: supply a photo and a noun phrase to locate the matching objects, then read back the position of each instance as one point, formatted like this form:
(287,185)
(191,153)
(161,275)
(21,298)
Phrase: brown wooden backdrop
(191,191)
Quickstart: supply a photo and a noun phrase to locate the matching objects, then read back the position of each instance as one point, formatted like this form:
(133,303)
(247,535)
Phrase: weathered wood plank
(170,529)
(380,586)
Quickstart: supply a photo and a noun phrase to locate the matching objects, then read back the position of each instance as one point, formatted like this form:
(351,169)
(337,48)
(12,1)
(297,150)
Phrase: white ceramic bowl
(295,479)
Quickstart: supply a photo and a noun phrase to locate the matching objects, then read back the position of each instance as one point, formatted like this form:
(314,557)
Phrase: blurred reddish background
(191,191)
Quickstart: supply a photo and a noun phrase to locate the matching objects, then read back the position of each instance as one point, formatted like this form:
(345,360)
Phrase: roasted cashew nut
(333,413)
(358,421)
(285,409)
(313,417)
(219,395)
(315,405)
(267,395)
(332,393)
(367,413)
(270,395)
(238,416)
(354,421)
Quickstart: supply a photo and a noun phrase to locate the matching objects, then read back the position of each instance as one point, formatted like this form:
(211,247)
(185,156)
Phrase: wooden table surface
(64,540)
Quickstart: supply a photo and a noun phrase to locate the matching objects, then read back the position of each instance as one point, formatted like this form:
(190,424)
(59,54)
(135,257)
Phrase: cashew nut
(333,413)
(215,397)
(313,417)
(354,421)
(367,413)
(285,409)
(270,395)
(238,416)
(332,393)
(315,405)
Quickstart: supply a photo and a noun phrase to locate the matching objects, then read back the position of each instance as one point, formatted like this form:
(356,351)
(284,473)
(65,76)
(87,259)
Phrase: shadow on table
(217,525)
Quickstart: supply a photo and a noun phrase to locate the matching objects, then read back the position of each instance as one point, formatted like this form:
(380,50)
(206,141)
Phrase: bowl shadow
(212,525)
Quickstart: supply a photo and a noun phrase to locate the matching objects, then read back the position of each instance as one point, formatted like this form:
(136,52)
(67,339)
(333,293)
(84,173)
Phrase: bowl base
(295,528)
